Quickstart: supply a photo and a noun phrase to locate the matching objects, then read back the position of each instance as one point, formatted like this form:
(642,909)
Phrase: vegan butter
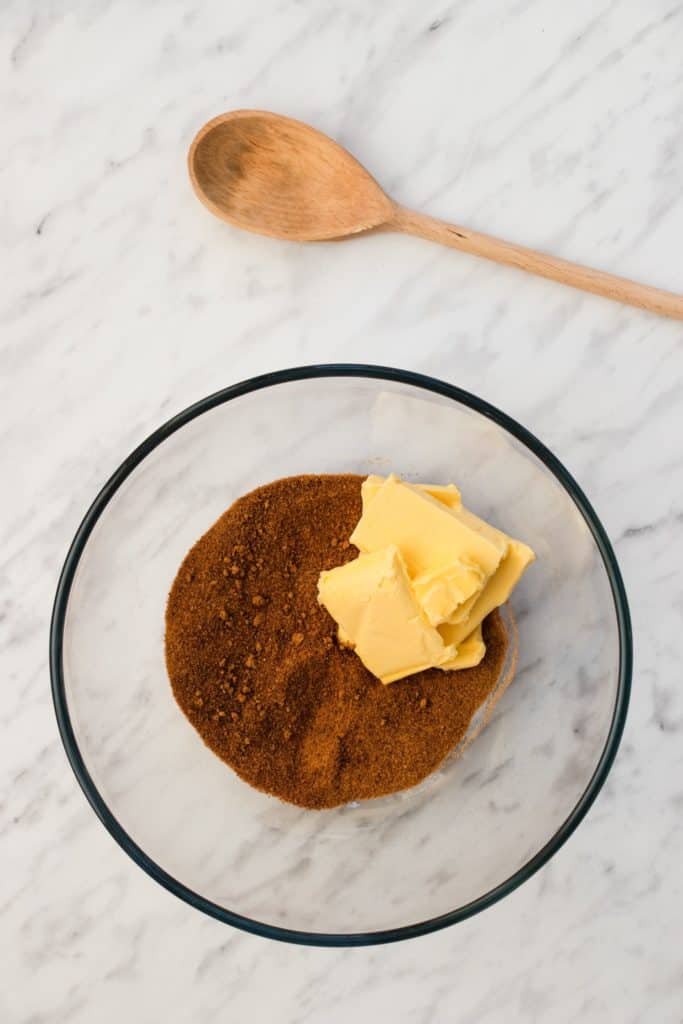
(428,573)
(495,593)
(373,603)
(447,494)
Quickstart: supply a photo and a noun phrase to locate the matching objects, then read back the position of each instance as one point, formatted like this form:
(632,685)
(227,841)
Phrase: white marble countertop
(122,301)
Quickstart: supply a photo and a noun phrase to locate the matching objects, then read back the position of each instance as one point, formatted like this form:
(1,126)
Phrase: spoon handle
(596,281)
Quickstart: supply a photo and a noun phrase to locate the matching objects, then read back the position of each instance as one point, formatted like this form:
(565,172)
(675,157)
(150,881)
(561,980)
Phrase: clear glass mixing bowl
(379,870)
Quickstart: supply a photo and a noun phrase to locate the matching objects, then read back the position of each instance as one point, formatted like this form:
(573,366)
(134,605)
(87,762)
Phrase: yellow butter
(448,591)
(495,593)
(439,598)
(447,494)
(428,574)
(496,537)
(439,590)
(462,612)
(447,559)
(470,652)
(373,603)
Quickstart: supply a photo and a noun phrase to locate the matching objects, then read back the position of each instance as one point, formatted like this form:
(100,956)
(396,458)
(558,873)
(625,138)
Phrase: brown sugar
(255,665)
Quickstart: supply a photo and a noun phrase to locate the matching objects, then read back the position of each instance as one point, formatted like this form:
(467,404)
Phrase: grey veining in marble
(122,301)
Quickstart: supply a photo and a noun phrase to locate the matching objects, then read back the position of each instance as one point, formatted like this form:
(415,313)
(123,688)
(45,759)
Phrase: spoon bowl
(278,177)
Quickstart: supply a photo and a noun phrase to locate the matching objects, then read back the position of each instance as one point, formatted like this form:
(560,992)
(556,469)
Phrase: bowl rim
(287,376)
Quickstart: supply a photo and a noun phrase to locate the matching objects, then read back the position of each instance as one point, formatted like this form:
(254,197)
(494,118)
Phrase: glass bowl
(374,871)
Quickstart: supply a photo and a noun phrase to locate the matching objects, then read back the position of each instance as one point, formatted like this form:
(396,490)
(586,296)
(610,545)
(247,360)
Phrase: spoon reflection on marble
(276,176)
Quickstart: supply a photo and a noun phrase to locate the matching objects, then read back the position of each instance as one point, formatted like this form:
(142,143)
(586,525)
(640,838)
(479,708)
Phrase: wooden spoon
(279,177)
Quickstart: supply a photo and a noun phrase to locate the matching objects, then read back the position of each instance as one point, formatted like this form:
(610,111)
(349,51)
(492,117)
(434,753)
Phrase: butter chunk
(449,553)
(470,652)
(373,603)
(462,612)
(447,494)
(448,594)
(496,537)
(448,591)
(426,531)
(495,593)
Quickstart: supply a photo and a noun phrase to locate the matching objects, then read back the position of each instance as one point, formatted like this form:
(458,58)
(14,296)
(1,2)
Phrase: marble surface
(122,301)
